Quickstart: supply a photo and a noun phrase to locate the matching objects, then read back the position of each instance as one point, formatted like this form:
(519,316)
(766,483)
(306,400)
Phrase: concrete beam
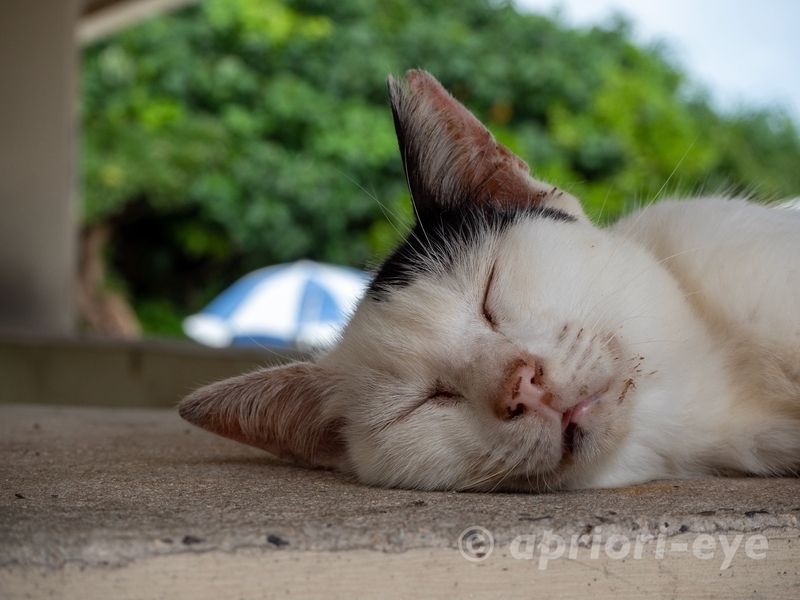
(102,18)
(120,373)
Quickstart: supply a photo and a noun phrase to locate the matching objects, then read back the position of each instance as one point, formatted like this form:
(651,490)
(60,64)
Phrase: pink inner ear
(481,162)
(279,410)
(461,123)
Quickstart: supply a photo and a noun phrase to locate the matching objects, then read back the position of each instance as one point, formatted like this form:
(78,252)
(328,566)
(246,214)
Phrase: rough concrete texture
(101,488)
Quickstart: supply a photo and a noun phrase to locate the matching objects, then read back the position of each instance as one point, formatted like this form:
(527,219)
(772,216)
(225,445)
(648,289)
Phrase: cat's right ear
(280,410)
(450,158)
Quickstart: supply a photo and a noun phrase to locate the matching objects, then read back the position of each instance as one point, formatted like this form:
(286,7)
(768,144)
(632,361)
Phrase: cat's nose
(525,394)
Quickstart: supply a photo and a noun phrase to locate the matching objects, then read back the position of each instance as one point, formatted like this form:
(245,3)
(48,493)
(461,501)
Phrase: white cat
(510,344)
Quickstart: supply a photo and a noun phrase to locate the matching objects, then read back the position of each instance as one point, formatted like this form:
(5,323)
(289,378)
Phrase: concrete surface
(154,373)
(137,503)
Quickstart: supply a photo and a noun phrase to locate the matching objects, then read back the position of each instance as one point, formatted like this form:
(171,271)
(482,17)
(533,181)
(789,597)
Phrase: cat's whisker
(619,324)
(602,321)
(501,470)
(243,333)
(675,170)
(508,472)
(474,483)
(621,288)
(642,211)
(396,223)
(655,342)
(603,206)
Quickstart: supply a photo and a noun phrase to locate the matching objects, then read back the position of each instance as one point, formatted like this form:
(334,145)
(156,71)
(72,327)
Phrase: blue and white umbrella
(303,304)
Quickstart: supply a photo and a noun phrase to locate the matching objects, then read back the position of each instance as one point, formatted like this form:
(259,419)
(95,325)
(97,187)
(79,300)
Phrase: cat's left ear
(450,158)
(281,410)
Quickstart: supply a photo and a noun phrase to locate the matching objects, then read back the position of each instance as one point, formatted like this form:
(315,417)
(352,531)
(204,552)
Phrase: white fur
(701,298)
(681,322)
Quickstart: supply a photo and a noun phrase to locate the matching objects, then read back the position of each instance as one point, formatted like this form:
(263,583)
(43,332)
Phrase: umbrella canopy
(303,304)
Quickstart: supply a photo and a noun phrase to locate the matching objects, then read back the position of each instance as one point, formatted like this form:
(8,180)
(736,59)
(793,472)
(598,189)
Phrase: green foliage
(239,133)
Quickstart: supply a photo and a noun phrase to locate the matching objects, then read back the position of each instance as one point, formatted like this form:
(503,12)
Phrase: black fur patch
(437,240)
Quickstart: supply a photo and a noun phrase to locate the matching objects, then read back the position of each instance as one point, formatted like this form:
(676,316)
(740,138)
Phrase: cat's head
(495,349)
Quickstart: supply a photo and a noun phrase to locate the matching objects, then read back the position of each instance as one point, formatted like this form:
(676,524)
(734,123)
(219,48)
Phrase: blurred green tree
(240,133)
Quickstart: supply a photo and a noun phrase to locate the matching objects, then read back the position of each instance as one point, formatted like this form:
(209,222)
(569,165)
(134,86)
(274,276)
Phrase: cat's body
(510,344)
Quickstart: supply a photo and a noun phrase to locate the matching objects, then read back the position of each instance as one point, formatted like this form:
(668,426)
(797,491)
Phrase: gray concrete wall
(117,373)
(38,89)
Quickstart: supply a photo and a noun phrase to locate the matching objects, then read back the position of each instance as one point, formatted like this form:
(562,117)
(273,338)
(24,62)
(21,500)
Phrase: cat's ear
(450,158)
(280,410)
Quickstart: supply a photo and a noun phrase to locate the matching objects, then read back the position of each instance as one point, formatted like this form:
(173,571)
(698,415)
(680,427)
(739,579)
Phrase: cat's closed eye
(487,313)
(442,394)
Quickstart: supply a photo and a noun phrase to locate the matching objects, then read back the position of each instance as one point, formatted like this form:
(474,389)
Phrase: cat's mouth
(571,420)
(570,437)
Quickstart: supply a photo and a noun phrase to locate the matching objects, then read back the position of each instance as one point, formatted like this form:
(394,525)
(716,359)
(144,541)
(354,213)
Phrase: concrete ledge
(96,501)
(123,373)
(417,573)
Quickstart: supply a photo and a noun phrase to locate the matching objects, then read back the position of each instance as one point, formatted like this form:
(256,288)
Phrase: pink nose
(525,394)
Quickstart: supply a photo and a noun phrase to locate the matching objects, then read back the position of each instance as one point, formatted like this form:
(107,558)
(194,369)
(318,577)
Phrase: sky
(744,52)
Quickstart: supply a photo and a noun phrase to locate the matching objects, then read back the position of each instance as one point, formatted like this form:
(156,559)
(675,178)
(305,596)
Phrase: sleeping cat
(509,344)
